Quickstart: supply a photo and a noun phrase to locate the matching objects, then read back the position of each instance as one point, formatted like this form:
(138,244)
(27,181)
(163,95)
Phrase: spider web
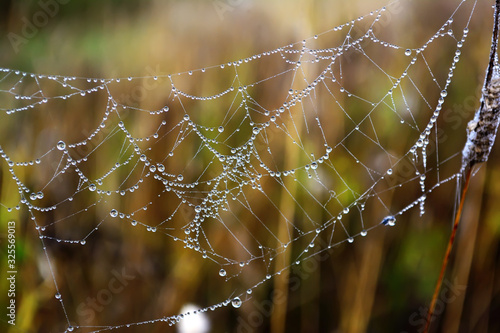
(250,167)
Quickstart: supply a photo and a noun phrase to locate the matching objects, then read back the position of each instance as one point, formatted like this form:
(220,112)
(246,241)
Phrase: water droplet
(255,130)
(222,272)
(58,296)
(236,302)
(220,129)
(389,221)
(363,233)
(92,187)
(197,209)
(407,52)
(314,165)
(61,145)
(389,172)
(113,213)
(350,239)
(180,177)
(83,242)
(444,93)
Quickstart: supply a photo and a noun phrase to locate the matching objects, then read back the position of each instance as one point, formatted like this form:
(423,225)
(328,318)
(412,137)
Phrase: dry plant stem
(481,133)
(464,250)
(448,251)
(494,42)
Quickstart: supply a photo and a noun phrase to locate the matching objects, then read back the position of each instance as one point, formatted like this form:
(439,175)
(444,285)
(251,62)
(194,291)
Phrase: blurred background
(380,283)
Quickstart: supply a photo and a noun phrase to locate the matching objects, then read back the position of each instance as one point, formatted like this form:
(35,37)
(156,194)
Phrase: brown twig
(448,251)
(481,133)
